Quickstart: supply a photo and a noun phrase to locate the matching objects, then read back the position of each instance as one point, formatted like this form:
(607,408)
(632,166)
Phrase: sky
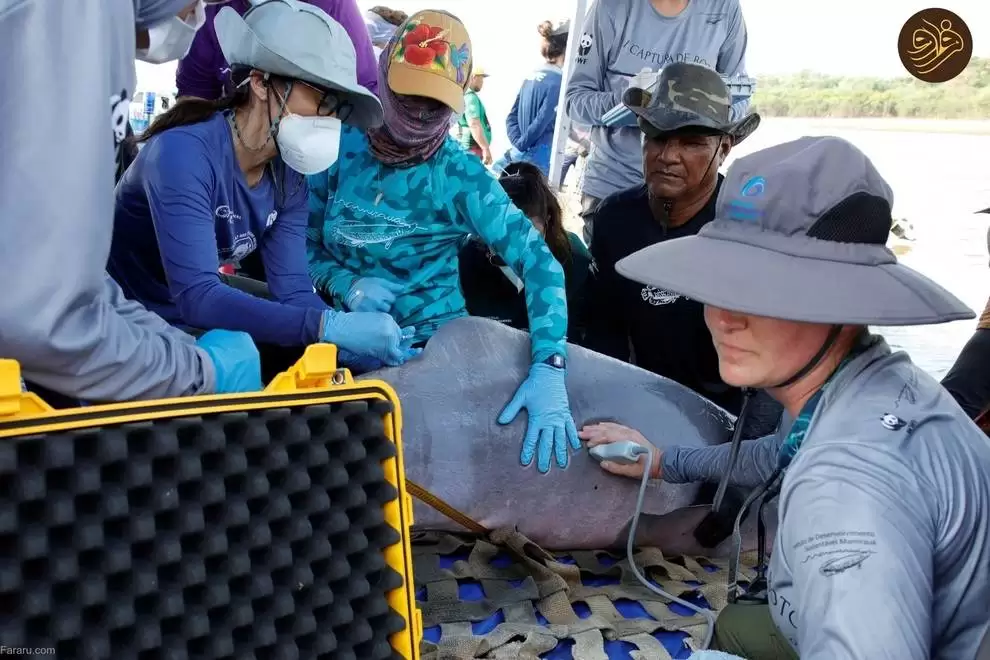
(841,37)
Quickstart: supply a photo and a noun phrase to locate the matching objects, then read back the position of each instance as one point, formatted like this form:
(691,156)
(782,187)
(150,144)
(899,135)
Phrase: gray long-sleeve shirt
(622,37)
(883,546)
(64,98)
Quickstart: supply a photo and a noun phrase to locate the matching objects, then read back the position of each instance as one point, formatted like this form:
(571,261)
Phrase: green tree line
(809,94)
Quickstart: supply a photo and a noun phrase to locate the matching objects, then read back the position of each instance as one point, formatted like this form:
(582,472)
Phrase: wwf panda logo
(892,422)
(584,46)
(119,111)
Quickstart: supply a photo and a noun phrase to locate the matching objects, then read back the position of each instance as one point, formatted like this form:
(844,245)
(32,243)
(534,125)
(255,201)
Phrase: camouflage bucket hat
(688,96)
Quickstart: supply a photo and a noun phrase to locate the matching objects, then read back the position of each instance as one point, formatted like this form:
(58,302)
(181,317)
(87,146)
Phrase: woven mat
(536,593)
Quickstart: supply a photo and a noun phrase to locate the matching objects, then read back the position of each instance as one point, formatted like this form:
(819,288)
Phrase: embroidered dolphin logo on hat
(753,187)
(742,208)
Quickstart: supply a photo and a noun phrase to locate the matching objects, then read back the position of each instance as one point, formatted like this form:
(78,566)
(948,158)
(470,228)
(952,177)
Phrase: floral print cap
(431,56)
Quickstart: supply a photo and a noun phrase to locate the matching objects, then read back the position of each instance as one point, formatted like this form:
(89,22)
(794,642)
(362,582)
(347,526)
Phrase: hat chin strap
(668,202)
(833,335)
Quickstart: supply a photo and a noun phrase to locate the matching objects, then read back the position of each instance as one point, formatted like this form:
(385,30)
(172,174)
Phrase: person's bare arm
(478,132)
(473,111)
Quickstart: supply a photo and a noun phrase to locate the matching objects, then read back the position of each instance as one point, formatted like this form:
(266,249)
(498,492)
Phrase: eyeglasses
(330,103)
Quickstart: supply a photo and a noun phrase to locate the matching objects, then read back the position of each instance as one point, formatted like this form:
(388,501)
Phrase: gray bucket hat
(800,233)
(688,95)
(296,40)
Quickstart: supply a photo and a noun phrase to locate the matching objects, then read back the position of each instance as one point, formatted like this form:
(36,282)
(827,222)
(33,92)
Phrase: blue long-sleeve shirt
(531,121)
(184,208)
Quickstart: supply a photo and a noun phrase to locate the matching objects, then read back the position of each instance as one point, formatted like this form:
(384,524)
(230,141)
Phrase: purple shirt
(201,72)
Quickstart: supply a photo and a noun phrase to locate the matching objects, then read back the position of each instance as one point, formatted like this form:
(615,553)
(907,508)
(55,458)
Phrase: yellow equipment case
(269,525)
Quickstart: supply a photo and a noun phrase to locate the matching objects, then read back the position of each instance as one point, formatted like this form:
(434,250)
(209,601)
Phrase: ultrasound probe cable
(628,453)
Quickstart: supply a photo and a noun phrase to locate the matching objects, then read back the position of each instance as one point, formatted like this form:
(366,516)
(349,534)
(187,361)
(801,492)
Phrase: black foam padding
(236,535)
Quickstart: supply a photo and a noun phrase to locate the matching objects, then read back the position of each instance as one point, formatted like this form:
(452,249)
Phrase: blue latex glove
(235,359)
(372,294)
(369,335)
(551,428)
(358,363)
(362,364)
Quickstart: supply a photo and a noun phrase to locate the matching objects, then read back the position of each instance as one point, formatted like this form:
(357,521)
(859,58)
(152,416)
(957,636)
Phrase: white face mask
(171,39)
(309,145)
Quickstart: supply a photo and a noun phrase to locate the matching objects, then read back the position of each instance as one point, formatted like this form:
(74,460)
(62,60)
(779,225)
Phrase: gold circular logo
(935,45)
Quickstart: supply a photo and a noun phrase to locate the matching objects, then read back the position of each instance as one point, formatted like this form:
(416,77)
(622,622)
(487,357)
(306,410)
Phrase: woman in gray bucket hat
(882,548)
(220,181)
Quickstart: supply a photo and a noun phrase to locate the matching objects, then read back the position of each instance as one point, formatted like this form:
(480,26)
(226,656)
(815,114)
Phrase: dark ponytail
(554,45)
(530,191)
(191,110)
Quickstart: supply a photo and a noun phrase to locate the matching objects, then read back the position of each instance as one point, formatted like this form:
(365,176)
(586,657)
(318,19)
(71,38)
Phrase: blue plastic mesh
(469,590)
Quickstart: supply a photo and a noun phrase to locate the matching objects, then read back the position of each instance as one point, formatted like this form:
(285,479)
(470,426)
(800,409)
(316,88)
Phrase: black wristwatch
(556,361)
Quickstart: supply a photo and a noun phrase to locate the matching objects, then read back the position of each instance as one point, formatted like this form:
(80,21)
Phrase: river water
(939,180)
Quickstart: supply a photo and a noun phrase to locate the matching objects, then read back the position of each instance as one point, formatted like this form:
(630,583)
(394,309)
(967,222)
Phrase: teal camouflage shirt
(407,225)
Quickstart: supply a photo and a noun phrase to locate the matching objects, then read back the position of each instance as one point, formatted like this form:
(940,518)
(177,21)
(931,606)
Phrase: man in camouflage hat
(687,134)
